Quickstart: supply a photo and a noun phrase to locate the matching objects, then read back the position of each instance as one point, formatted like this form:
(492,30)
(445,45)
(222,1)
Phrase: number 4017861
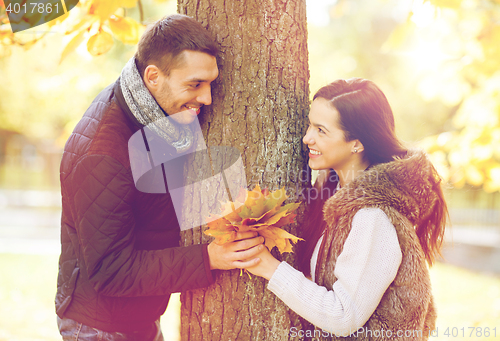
(35,8)
(470,332)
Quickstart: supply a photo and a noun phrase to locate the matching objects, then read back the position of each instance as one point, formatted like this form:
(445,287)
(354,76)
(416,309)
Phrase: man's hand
(238,254)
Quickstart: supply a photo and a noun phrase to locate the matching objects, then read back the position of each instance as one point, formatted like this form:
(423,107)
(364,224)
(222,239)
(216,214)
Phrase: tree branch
(141,12)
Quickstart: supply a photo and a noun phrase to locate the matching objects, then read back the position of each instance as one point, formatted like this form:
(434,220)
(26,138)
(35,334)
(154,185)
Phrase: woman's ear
(357,147)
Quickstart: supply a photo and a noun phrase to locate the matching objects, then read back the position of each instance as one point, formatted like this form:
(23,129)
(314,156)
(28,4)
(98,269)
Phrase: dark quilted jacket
(120,258)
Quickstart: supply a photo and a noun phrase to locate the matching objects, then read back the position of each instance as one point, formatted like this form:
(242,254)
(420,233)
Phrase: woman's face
(325,138)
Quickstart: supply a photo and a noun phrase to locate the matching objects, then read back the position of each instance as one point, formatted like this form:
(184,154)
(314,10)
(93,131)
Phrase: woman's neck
(351,172)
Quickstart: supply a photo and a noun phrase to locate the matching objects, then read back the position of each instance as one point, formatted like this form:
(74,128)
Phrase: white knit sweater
(366,267)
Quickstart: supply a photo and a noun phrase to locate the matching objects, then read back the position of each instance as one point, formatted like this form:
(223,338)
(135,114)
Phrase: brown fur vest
(403,189)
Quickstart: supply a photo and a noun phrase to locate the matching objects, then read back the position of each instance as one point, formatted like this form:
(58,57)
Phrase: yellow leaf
(254,204)
(273,216)
(286,220)
(454,4)
(125,29)
(215,221)
(100,43)
(275,199)
(273,219)
(224,238)
(279,237)
(230,212)
(128,3)
(82,24)
(104,8)
(269,242)
(252,196)
(72,44)
(222,230)
(58,20)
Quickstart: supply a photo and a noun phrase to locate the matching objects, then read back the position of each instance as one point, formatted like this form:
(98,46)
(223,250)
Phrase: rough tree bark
(260,106)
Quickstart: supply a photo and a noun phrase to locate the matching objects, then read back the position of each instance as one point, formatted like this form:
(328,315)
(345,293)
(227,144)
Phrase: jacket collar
(408,184)
(120,100)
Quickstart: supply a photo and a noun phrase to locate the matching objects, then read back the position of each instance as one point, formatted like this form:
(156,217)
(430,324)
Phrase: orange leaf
(82,24)
(225,238)
(125,29)
(100,43)
(222,230)
(288,219)
(271,220)
(275,199)
(269,216)
(104,8)
(279,238)
(72,44)
(230,211)
(217,221)
(254,204)
(128,3)
(261,212)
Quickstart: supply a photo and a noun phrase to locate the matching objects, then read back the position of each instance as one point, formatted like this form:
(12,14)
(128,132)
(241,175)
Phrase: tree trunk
(260,106)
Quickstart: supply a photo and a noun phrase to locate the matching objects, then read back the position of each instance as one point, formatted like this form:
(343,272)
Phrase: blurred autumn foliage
(93,22)
(465,38)
(437,60)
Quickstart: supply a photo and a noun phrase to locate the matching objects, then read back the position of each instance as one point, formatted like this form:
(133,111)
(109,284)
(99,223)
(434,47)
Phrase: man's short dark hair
(163,42)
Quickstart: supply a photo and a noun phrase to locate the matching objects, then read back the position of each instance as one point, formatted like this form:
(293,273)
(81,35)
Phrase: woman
(367,246)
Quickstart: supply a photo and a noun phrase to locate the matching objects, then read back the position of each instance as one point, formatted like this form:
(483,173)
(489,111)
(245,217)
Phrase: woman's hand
(267,265)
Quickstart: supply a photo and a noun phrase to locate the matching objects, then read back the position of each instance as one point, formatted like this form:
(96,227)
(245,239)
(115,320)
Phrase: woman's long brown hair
(365,115)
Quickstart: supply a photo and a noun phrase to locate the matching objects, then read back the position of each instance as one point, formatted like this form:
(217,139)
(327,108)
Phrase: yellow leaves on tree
(125,29)
(454,4)
(256,210)
(105,8)
(99,15)
(100,43)
(489,40)
(463,71)
(94,22)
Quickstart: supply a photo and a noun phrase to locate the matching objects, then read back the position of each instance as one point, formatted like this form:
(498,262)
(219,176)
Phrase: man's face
(187,88)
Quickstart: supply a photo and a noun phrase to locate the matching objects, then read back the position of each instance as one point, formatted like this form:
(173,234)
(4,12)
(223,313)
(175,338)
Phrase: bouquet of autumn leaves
(256,210)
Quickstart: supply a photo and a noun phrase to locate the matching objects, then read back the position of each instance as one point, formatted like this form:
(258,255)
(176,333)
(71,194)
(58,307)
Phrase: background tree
(260,103)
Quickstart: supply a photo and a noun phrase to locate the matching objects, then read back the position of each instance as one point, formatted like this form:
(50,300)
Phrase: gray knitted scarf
(148,112)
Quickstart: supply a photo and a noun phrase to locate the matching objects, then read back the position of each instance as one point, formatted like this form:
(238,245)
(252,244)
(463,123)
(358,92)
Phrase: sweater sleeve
(102,192)
(366,267)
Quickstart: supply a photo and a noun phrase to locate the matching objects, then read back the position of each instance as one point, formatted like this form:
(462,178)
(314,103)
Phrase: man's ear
(151,77)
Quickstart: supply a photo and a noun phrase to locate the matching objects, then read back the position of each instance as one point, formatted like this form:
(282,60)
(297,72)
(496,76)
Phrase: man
(120,258)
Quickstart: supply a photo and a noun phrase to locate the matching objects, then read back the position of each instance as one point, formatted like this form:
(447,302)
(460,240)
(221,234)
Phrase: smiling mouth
(195,111)
(314,152)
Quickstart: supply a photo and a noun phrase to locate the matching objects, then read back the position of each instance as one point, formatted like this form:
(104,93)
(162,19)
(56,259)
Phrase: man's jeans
(76,331)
